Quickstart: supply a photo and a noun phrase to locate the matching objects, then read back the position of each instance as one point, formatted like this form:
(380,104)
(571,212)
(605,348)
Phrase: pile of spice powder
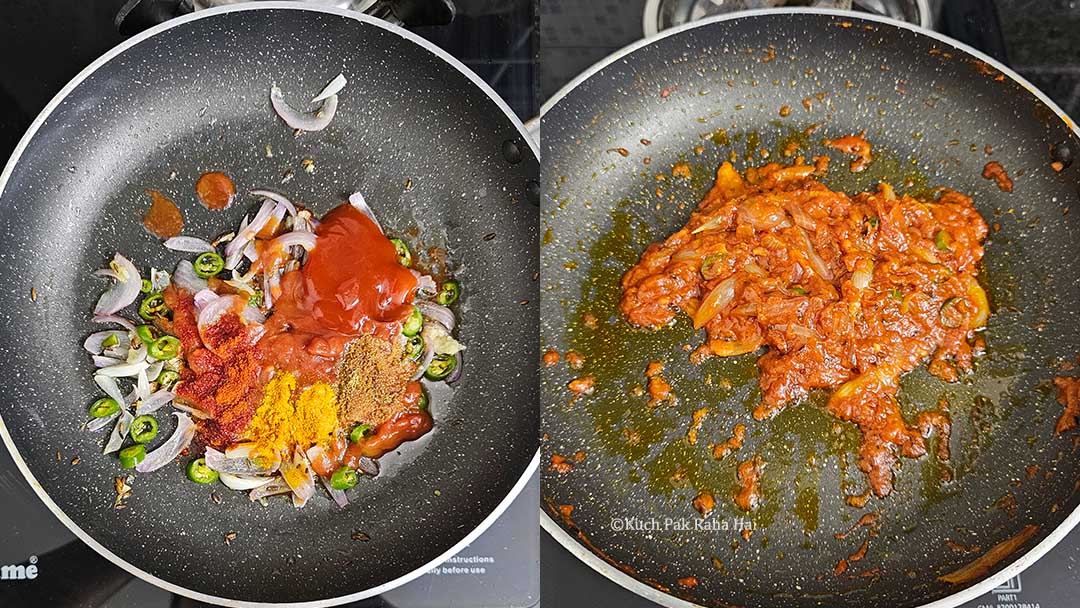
(371,380)
(289,417)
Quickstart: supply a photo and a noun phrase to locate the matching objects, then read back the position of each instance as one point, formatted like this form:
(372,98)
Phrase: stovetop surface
(1041,42)
(45,43)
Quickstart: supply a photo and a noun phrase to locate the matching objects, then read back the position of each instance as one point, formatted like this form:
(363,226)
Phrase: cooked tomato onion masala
(842,292)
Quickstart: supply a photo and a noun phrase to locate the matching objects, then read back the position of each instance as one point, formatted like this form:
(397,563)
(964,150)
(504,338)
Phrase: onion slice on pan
(238,466)
(195,412)
(110,387)
(176,443)
(120,431)
(185,278)
(298,120)
(437,312)
(123,370)
(154,402)
(95,424)
(338,495)
(277,198)
(188,244)
(291,239)
(244,482)
(115,319)
(124,291)
(332,88)
(357,200)
(277,486)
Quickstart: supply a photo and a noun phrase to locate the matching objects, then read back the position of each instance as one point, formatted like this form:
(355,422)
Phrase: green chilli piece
(799,291)
(144,428)
(897,294)
(344,478)
(147,286)
(147,333)
(873,222)
(132,455)
(943,240)
(449,292)
(167,378)
(710,265)
(164,348)
(423,402)
(255,299)
(104,407)
(153,306)
(414,348)
(441,366)
(198,472)
(404,256)
(110,341)
(414,323)
(359,431)
(208,264)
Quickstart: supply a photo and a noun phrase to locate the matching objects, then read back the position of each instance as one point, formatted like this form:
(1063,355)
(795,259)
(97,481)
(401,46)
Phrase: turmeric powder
(288,417)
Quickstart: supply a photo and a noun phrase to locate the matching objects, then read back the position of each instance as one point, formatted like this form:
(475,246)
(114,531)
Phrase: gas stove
(41,563)
(574,35)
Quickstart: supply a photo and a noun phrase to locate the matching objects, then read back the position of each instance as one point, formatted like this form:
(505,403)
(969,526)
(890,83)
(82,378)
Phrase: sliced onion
(110,387)
(336,494)
(437,312)
(237,466)
(142,385)
(299,120)
(214,310)
(188,244)
(277,198)
(102,361)
(277,486)
(135,355)
(815,260)
(124,291)
(96,424)
(368,466)
(294,238)
(123,370)
(194,411)
(425,361)
(333,88)
(298,474)
(801,217)
(244,482)
(718,298)
(168,451)
(120,431)
(159,279)
(204,297)
(459,363)
(107,273)
(95,342)
(128,325)
(250,252)
(425,285)
(356,199)
(154,402)
(861,278)
(185,278)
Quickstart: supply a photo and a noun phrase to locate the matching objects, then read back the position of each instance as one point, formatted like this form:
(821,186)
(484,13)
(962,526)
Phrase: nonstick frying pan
(936,113)
(431,147)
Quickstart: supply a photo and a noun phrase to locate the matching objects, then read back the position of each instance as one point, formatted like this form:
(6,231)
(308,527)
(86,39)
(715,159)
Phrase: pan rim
(9,168)
(670,601)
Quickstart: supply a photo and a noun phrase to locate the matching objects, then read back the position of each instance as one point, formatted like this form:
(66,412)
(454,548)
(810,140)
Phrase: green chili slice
(198,472)
(359,431)
(441,366)
(414,348)
(256,299)
(710,265)
(873,222)
(147,333)
(414,323)
(448,292)
(799,290)
(404,256)
(164,348)
(344,478)
(110,341)
(422,403)
(104,407)
(897,294)
(943,240)
(153,306)
(132,455)
(144,428)
(147,286)
(208,264)
(167,378)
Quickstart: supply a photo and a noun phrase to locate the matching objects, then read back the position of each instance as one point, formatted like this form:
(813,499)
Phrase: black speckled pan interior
(431,151)
(935,115)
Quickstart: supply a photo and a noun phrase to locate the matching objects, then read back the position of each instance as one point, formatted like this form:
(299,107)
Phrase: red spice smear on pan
(993,170)
(215,190)
(351,285)
(222,376)
(163,218)
(1069,396)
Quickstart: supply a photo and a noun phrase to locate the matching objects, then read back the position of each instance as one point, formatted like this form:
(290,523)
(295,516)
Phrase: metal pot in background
(663,14)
